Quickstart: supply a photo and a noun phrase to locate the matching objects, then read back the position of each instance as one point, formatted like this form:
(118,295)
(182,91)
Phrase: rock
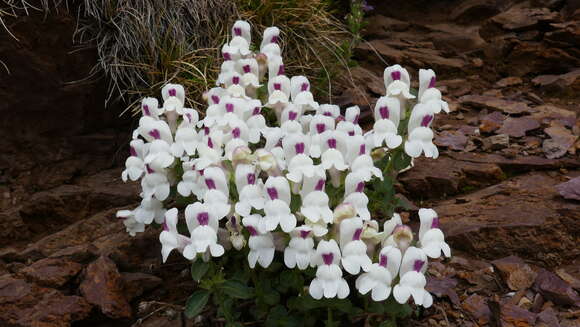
(517,127)
(570,190)
(546,114)
(474,10)
(52,272)
(549,318)
(491,122)
(444,286)
(135,284)
(517,163)
(454,140)
(554,289)
(515,272)
(561,140)
(493,103)
(497,142)
(367,79)
(519,19)
(512,315)
(437,178)
(568,83)
(567,34)
(517,216)
(82,253)
(12,227)
(102,286)
(509,81)
(476,306)
(25,304)
(539,58)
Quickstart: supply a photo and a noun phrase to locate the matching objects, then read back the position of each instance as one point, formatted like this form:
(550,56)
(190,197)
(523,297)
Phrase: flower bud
(261,58)
(378,154)
(343,211)
(266,160)
(403,236)
(238,241)
(241,155)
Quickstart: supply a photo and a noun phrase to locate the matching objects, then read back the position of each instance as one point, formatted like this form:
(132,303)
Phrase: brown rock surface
(493,103)
(52,272)
(517,274)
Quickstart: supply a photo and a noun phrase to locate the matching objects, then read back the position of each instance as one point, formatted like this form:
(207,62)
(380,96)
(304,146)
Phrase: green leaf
(388,323)
(196,302)
(237,289)
(199,269)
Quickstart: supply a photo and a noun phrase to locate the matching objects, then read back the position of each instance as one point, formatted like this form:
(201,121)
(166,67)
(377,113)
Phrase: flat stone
(565,83)
(135,284)
(555,289)
(494,103)
(444,286)
(509,81)
(546,114)
(513,315)
(519,19)
(497,142)
(561,140)
(454,140)
(491,122)
(570,190)
(518,126)
(517,163)
(476,306)
(102,286)
(52,272)
(517,274)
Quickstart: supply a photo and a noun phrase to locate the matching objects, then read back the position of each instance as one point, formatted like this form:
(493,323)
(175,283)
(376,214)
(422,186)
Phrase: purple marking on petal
(188,115)
(234,221)
(418,265)
(246,69)
(383,261)
(331,143)
(146,111)
(304,233)
(355,120)
(357,234)
(432,82)
(256,111)
(396,75)
(435,223)
(133,152)
(384,112)
(363,149)
(279,143)
(210,183)
(360,187)
(172,92)
(320,185)
(236,132)
(351,133)
(320,128)
(209,142)
(236,80)
(274,39)
(165,227)
(203,218)
(328,258)
(281,70)
(154,133)
(299,147)
(229,107)
(252,230)
(272,192)
(327,114)
(304,87)
(251,178)
(237,31)
(340,118)
(215,99)
(277,86)
(206,130)
(202,172)
(426,120)
(292,115)
(149,170)
(227,56)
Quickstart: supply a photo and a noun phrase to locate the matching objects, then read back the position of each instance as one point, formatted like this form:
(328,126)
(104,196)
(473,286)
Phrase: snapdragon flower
(328,282)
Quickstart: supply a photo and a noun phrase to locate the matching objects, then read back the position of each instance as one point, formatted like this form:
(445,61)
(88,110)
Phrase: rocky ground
(507,184)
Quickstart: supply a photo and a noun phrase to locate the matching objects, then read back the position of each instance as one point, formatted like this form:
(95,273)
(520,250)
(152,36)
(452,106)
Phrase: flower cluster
(265,187)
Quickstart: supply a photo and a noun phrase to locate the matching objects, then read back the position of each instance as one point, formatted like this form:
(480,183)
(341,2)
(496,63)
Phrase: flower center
(328,258)
(251,178)
(149,170)
(236,132)
(281,70)
(210,183)
(237,31)
(355,120)
(215,99)
(396,75)
(383,261)
(327,114)
(426,120)
(351,133)
(292,115)
(320,185)
(133,151)
(165,227)
(203,218)
(432,82)
(384,111)
(435,223)
(206,130)
(274,39)
(299,147)
(252,230)
(229,107)
(146,111)
(304,87)
(246,69)
(272,192)
(209,142)
(418,265)
(227,56)
(236,80)
(357,234)
(277,86)
(172,92)
(304,233)
(363,149)
(256,111)
(360,187)
(320,128)
(154,133)
(331,143)
(189,118)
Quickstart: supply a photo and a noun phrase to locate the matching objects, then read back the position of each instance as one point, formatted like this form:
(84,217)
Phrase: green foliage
(196,302)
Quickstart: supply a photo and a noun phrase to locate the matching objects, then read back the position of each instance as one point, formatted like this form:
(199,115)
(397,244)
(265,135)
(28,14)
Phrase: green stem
(329,321)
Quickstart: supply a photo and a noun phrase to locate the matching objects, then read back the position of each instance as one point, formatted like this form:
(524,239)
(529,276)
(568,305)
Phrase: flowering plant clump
(307,193)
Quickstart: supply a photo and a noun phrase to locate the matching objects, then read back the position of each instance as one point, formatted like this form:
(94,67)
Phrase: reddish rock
(102,286)
(491,122)
(512,315)
(517,163)
(25,304)
(555,289)
(565,83)
(135,284)
(517,127)
(548,113)
(52,272)
(476,306)
(518,18)
(444,286)
(570,189)
(509,81)
(516,273)
(561,141)
(496,104)
(454,140)
(548,318)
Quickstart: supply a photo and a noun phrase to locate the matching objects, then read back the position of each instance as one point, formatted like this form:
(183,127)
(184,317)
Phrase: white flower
(218,201)
(236,49)
(413,280)
(329,110)
(261,245)
(354,251)
(170,239)
(250,192)
(431,237)
(150,107)
(203,227)
(428,94)
(173,90)
(300,250)
(271,36)
(132,226)
(380,275)
(333,144)
(186,139)
(315,207)
(155,184)
(243,29)
(215,179)
(420,134)
(364,164)
(159,156)
(299,84)
(305,101)
(301,167)
(360,202)
(391,224)
(149,210)
(354,182)
(397,82)
(276,68)
(328,282)
(190,184)
(277,208)
(279,91)
(134,165)
(153,129)
(387,117)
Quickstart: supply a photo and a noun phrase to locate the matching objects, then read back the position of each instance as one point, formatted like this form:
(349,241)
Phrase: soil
(507,184)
